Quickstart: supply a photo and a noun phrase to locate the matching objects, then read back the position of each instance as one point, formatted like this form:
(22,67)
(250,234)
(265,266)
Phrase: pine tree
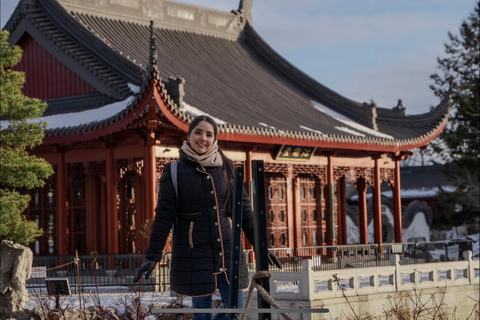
(19,134)
(459,143)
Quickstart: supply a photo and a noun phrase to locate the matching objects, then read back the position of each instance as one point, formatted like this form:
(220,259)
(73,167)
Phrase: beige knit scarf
(211,158)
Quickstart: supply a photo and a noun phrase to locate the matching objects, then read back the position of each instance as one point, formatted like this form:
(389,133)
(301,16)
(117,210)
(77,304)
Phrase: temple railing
(113,272)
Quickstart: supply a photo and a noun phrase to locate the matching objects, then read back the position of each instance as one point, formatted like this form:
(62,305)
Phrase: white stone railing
(310,285)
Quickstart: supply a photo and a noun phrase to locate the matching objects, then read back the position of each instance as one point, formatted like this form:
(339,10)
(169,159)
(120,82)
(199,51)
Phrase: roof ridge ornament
(245,8)
(152,62)
(175,88)
(399,108)
(370,115)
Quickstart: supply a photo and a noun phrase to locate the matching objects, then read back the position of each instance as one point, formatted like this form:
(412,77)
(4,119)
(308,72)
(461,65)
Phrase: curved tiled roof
(242,82)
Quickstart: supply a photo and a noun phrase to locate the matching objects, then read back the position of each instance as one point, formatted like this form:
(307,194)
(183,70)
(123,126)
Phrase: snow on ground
(118,297)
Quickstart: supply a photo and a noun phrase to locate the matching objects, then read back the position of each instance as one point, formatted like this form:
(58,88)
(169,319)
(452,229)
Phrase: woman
(202,221)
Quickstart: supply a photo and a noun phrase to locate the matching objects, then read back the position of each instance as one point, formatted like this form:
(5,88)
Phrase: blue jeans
(207,301)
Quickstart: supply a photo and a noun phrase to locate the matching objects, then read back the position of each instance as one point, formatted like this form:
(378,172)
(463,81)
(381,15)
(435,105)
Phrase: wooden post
(236,247)
(150,166)
(261,241)
(77,263)
(330,218)
(248,179)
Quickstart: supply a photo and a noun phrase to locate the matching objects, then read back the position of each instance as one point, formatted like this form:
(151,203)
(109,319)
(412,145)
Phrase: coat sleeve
(247,219)
(165,213)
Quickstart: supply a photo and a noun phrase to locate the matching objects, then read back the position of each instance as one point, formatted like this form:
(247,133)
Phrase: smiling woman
(202,137)
(202,237)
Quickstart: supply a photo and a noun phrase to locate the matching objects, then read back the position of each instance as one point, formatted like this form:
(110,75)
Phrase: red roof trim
(109,129)
(167,110)
(155,90)
(326,144)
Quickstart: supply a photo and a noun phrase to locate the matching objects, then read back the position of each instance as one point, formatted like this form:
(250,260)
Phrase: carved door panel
(311,206)
(127,212)
(276,205)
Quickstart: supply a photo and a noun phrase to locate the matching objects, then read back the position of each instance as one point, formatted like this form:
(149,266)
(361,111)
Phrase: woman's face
(202,137)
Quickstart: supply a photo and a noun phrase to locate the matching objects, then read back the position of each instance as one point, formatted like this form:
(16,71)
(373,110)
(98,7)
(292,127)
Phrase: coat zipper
(218,214)
(190,234)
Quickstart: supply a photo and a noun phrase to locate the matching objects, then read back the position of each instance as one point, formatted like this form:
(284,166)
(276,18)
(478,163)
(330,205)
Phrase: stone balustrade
(375,285)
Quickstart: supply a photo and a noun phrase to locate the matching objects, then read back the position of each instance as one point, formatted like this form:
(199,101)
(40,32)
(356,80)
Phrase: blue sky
(364,50)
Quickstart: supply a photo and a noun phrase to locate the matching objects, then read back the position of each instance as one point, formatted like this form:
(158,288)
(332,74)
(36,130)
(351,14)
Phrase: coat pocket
(190,234)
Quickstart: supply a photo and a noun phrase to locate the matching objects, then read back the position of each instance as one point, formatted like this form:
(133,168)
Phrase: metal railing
(119,269)
(115,270)
(330,257)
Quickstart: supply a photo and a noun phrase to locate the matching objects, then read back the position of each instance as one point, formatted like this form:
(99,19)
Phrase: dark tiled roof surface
(242,82)
(234,82)
(76,104)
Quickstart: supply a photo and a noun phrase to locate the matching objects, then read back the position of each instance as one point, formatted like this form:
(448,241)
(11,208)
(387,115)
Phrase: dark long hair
(227,163)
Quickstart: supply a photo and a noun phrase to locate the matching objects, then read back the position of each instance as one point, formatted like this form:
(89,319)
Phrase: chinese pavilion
(123,79)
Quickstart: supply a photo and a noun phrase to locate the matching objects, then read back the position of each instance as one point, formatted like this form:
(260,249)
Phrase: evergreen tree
(18,170)
(459,143)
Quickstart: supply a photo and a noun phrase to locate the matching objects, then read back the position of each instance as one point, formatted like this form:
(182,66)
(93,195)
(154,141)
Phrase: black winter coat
(202,228)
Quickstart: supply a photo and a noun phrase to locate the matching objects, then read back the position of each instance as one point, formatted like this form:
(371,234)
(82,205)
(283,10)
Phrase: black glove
(147,268)
(272,260)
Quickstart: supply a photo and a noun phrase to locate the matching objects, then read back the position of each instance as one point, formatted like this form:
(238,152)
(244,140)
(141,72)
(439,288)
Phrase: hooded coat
(202,228)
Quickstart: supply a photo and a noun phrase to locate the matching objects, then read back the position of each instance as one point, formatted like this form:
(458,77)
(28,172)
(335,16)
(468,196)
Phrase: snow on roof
(349,122)
(135,89)
(266,125)
(84,117)
(310,129)
(197,112)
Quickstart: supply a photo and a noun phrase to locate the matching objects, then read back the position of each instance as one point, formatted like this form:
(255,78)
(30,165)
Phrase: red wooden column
(377,203)
(112,215)
(293,209)
(397,203)
(362,210)
(62,224)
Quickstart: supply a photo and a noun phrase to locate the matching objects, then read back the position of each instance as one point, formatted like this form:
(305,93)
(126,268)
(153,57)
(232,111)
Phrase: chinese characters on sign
(295,153)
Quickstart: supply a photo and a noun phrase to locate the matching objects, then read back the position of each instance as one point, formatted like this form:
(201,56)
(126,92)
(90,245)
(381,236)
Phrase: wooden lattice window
(42,210)
(76,207)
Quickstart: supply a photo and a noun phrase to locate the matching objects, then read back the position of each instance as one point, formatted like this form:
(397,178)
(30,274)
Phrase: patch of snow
(349,122)
(266,125)
(313,130)
(134,88)
(348,130)
(89,116)
(322,285)
(121,299)
(193,111)
(286,286)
